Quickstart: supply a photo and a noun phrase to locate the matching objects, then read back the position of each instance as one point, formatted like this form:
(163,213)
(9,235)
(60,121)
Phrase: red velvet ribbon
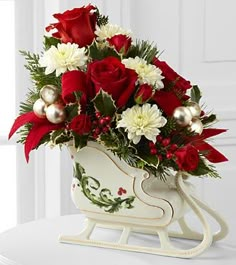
(40,128)
(167,101)
(73,81)
(212,154)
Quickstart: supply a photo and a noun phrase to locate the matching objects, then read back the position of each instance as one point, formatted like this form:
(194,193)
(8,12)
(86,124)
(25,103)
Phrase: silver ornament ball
(49,94)
(39,108)
(55,113)
(194,109)
(182,116)
(196,126)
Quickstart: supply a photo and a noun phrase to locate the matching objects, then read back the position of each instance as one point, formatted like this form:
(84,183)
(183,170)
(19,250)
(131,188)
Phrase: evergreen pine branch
(37,73)
(101,19)
(143,49)
(205,169)
(169,127)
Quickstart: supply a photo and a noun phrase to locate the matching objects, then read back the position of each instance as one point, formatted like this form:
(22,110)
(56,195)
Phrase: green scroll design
(102,197)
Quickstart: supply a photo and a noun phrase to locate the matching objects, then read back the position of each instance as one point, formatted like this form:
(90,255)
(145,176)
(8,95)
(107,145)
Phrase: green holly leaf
(80,140)
(104,103)
(150,160)
(71,111)
(195,94)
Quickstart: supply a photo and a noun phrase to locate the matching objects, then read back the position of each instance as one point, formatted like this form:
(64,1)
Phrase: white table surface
(36,243)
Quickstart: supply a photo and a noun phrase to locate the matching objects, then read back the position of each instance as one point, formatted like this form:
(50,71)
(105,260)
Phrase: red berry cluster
(165,147)
(121,191)
(101,124)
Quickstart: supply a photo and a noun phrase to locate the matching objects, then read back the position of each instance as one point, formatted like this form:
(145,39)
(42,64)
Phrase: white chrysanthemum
(65,56)
(142,120)
(147,73)
(110,30)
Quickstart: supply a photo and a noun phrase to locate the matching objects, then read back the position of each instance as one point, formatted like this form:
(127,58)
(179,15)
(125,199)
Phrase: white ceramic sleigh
(114,195)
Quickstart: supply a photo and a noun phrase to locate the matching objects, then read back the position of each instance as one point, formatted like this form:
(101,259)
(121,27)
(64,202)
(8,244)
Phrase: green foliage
(144,50)
(71,111)
(209,119)
(101,19)
(104,103)
(149,160)
(80,141)
(195,94)
(100,51)
(59,137)
(205,170)
(37,73)
(50,41)
(169,127)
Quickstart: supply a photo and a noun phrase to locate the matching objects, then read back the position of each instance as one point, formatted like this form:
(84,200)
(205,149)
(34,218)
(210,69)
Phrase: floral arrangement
(94,82)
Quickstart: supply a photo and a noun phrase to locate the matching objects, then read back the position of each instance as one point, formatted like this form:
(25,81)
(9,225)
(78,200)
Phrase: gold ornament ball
(182,116)
(196,126)
(49,94)
(55,113)
(194,109)
(39,108)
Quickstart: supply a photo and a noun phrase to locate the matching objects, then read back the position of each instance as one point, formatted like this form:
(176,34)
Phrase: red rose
(172,78)
(81,124)
(120,42)
(111,75)
(143,94)
(75,26)
(187,158)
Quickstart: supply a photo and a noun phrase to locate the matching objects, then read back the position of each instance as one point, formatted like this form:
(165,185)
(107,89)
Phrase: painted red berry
(160,157)
(165,142)
(121,191)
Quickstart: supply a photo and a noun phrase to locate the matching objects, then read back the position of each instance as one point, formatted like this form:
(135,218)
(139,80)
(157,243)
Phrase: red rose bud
(120,42)
(75,26)
(81,124)
(143,94)
(187,158)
